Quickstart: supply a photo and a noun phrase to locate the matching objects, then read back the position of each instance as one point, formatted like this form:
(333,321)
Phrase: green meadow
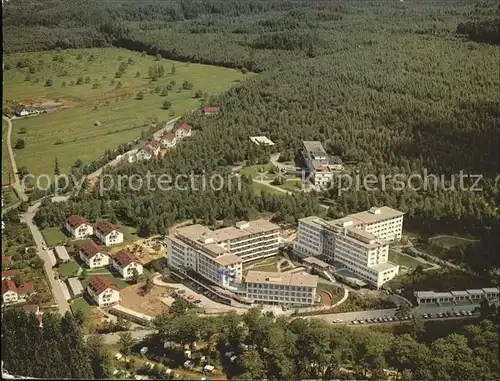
(99,85)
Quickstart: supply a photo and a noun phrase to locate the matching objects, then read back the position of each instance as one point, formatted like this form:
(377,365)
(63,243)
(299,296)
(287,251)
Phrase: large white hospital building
(218,256)
(359,242)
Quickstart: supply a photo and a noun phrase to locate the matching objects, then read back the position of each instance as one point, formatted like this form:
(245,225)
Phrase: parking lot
(429,316)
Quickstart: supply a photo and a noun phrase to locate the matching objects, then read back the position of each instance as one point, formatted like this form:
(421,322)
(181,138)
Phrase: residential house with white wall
(103,291)
(168,140)
(78,227)
(124,262)
(92,255)
(108,233)
(183,130)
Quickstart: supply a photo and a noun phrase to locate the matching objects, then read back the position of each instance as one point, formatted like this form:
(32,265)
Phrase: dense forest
(391,87)
(275,348)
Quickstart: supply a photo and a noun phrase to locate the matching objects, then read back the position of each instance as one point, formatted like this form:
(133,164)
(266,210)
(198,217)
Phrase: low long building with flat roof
(281,288)
(218,255)
(431,297)
(360,242)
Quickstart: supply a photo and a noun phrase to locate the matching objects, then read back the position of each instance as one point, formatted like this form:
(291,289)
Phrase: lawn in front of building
(68,269)
(405,260)
(54,236)
(81,304)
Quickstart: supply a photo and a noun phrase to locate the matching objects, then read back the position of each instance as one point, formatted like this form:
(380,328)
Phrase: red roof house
(169,136)
(211,110)
(11,273)
(27,288)
(74,221)
(124,258)
(98,284)
(6,260)
(90,249)
(8,285)
(106,227)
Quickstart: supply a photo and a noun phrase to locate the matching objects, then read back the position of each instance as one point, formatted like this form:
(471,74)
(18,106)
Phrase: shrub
(140,95)
(58,142)
(48,83)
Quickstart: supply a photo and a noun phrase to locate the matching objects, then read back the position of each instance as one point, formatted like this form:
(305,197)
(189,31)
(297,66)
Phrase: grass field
(53,236)
(81,304)
(266,264)
(68,269)
(9,197)
(405,260)
(98,99)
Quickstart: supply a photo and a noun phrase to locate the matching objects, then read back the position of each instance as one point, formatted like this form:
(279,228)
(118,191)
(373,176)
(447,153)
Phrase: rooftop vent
(375,210)
(242,225)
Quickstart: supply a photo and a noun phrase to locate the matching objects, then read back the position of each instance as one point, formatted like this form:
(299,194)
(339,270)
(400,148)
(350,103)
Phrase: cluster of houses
(167,141)
(103,291)
(108,233)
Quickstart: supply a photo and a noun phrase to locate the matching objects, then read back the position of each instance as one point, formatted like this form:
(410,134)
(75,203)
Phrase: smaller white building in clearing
(92,255)
(319,165)
(261,140)
(124,262)
(78,227)
(108,233)
(281,288)
(103,291)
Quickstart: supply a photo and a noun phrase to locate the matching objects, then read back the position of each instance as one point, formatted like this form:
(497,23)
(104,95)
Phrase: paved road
(55,285)
(112,338)
(17,183)
(360,315)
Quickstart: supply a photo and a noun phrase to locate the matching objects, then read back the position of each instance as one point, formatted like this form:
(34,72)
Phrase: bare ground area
(150,304)
(326,300)
(96,318)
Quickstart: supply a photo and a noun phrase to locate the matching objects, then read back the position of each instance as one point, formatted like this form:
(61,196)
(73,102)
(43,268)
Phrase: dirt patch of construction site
(143,251)
(150,304)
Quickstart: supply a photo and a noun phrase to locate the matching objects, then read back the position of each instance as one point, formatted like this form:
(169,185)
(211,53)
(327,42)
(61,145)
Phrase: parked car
(354,322)
(469,313)
(463,313)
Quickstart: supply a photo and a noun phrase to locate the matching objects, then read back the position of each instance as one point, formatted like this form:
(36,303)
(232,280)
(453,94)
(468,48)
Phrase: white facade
(360,242)
(127,271)
(168,143)
(106,298)
(96,261)
(112,238)
(82,231)
(144,154)
(281,288)
(222,270)
(218,255)
(10,297)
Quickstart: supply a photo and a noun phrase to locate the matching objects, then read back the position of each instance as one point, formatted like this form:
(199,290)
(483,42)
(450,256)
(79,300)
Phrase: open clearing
(449,241)
(54,236)
(405,260)
(98,99)
(150,304)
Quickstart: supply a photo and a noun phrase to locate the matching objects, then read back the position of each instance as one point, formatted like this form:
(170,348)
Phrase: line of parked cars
(386,319)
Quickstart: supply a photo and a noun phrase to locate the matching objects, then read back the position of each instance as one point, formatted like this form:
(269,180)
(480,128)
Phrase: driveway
(17,183)
(113,338)
(55,285)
